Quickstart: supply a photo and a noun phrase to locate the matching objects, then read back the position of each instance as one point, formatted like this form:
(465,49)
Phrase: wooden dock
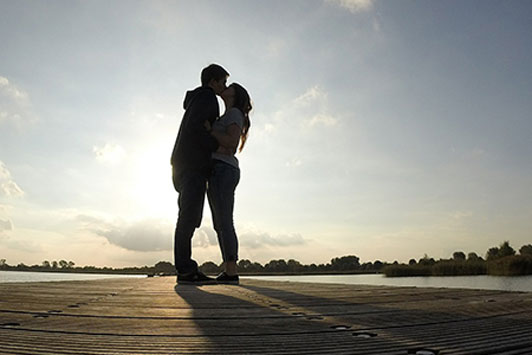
(154,316)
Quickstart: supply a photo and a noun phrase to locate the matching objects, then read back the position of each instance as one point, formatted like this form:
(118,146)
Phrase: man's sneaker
(195,278)
(223,278)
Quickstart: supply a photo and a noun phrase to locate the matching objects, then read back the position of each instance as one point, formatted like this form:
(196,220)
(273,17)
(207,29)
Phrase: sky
(382,129)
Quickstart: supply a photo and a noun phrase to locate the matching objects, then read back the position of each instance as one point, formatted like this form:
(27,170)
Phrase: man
(191,165)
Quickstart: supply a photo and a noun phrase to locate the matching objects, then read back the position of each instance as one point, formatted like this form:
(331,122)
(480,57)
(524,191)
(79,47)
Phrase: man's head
(215,77)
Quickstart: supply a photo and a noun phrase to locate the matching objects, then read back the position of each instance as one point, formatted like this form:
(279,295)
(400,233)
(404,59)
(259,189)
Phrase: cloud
(294,162)
(109,153)
(312,95)
(28,246)
(11,91)
(204,237)
(275,47)
(313,105)
(145,235)
(307,111)
(322,119)
(8,187)
(5,226)
(15,105)
(260,239)
(18,243)
(353,5)
(459,215)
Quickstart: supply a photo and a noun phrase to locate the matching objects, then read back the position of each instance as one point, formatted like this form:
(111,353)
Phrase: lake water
(484,282)
(503,283)
(28,276)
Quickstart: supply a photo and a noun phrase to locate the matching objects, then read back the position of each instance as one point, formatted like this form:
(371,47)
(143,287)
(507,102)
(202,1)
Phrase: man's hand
(208,126)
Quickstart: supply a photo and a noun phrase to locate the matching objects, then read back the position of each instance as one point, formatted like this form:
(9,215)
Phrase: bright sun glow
(153,183)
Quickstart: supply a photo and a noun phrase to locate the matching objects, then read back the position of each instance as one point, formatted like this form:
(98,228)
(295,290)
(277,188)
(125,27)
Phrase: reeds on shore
(500,261)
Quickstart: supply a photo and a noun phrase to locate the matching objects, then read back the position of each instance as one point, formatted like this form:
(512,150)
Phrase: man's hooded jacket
(194,144)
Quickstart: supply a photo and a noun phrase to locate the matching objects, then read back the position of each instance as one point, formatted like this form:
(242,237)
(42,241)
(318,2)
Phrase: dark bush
(455,268)
(406,270)
(511,266)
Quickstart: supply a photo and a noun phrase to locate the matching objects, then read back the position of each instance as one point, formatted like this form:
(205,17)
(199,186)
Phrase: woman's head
(236,96)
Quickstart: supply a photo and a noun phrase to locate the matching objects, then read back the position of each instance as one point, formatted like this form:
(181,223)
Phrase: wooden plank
(153,316)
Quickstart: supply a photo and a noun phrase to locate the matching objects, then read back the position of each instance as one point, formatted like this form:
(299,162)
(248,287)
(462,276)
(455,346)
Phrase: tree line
(501,260)
(344,264)
(69,266)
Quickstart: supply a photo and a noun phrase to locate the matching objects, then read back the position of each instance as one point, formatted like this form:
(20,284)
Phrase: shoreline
(168,274)
(253,274)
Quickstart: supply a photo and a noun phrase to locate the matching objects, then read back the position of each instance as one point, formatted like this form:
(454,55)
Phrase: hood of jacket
(192,94)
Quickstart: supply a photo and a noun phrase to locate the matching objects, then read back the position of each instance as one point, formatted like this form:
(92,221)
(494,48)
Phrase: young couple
(203,160)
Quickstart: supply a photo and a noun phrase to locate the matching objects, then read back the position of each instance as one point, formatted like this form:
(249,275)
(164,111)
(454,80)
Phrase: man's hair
(213,71)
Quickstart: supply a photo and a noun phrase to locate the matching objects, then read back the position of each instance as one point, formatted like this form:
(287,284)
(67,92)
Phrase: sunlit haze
(382,129)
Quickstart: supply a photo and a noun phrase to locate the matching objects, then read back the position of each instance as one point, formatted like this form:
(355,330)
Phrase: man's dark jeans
(191,187)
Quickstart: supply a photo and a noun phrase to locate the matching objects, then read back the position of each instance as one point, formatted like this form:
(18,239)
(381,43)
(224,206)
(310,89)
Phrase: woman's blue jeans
(221,196)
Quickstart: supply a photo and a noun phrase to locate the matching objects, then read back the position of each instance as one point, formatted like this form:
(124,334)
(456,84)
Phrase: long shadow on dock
(274,320)
(447,321)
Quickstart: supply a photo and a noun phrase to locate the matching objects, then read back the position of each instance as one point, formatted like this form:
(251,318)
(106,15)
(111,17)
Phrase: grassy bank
(507,266)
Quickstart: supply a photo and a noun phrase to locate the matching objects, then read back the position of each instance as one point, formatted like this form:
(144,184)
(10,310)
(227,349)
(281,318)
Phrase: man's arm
(204,108)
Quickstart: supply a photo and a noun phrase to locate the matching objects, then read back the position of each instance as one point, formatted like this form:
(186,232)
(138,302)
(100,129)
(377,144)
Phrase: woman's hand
(225,150)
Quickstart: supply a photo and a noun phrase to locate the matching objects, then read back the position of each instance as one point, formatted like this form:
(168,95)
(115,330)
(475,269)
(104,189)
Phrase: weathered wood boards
(154,316)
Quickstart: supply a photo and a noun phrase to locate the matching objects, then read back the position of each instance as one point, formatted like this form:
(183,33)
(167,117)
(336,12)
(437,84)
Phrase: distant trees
(210,268)
(504,261)
(344,264)
(426,261)
(247,266)
(473,257)
(349,262)
(63,264)
(501,260)
(276,266)
(378,265)
(526,250)
(164,268)
(294,266)
(499,252)
(69,266)
(459,256)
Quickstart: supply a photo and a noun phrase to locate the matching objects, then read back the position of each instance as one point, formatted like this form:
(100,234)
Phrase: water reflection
(484,282)
(30,276)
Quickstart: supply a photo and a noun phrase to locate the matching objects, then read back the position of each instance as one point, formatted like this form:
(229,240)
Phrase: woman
(229,130)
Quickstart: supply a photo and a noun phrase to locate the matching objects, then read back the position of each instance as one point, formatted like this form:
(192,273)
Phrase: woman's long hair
(243,103)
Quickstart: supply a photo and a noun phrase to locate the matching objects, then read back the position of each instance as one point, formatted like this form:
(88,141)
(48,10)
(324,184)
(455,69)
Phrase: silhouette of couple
(203,161)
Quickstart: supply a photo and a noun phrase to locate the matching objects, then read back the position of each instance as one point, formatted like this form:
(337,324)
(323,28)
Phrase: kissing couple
(203,161)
